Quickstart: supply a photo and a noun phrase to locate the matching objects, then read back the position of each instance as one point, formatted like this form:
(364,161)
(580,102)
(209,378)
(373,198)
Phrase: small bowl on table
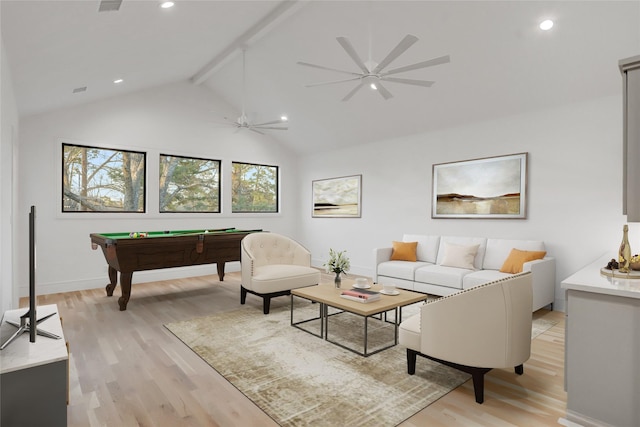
(634,266)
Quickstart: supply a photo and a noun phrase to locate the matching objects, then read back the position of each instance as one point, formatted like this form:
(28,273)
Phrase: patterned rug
(301,380)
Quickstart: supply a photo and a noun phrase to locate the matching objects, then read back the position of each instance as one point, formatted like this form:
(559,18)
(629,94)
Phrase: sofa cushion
(404,251)
(400,269)
(498,250)
(441,275)
(481,277)
(515,260)
(427,249)
(464,241)
(459,256)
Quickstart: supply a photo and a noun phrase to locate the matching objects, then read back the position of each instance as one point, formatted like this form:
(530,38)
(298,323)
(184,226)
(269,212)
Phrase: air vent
(109,5)
(80,89)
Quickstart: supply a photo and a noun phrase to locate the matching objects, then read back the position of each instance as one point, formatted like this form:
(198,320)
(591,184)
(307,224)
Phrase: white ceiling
(501,63)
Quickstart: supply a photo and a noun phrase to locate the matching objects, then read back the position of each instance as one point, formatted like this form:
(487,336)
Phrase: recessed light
(284,118)
(116,81)
(373,86)
(166,4)
(546,25)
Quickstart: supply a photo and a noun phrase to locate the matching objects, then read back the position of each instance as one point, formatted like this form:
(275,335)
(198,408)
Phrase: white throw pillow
(459,256)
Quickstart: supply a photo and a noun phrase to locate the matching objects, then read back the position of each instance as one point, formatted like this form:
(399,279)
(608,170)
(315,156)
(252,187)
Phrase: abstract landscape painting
(337,197)
(493,187)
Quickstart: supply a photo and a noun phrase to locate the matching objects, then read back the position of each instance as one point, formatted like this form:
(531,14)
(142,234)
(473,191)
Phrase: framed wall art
(492,187)
(337,197)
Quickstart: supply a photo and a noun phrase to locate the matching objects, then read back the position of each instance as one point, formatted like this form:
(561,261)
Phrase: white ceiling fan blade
(267,127)
(346,45)
(383,91)
(404,44)
(332,82)
(306,64)
(254,130)
(424,83)
(353,92)
(424,64)
(268,123)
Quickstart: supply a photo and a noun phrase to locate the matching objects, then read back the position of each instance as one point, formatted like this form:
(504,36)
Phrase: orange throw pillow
(404,251)
(515,260)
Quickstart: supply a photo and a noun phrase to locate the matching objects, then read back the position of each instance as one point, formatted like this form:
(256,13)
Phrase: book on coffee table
(360,295)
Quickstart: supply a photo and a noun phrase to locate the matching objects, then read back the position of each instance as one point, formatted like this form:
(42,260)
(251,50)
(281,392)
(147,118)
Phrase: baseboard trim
(46,288)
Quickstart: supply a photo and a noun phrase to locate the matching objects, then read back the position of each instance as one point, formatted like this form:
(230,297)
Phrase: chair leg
(411,361)
(519,369)
(266,303)
(243,295)
(478,385)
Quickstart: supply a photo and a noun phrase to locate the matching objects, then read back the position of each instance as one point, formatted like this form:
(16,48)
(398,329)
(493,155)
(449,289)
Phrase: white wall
(574,185)
(8,136)
(574,201)
(174,119)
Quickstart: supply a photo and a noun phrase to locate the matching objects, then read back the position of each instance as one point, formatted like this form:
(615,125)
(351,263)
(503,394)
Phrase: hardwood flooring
(126,369)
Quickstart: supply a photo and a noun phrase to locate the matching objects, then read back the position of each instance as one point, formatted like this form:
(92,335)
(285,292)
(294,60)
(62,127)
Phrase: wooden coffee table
(327,295)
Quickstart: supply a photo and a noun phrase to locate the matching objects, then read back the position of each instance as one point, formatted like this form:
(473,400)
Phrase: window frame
(143,209)
(218,161)
(276,190)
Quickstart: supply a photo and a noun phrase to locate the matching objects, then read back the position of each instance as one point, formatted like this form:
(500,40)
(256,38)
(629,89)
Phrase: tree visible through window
(102,180)
(189,184)
(254,188)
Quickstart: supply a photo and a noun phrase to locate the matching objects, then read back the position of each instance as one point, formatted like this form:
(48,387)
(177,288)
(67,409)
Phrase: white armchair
(474,330)
(272,265)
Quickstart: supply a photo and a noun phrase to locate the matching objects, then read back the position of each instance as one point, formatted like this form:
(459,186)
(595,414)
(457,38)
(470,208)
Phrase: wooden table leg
(220,266)
(113,281)
(125,286)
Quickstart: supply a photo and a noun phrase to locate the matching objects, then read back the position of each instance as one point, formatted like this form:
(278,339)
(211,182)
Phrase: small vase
(337,281)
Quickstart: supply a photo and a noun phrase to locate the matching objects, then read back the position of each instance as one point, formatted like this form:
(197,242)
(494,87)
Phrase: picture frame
(489,187)
(339,197)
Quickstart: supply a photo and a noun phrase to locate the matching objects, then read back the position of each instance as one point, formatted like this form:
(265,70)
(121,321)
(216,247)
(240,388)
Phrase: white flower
(338,262)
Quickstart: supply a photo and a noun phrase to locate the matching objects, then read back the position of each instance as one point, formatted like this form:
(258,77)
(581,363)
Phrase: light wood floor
(128,370)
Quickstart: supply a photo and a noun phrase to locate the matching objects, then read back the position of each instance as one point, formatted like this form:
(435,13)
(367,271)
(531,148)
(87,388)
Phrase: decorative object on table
(612,265)
(338,263)
(634,264)
(360,295)
(337,197)
(624,253)
(492,187)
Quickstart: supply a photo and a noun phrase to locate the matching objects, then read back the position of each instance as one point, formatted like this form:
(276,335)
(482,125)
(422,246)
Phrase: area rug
(301,380)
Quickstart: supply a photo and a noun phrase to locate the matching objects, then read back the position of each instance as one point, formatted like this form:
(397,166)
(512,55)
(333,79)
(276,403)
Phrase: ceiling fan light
(373,86)
(284,118)
(166,4)
(546,25)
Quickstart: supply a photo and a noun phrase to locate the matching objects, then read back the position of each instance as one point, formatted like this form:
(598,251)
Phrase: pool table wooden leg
(220,265)
(113,281)
(125,286)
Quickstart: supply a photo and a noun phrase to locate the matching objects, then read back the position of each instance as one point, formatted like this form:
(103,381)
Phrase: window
(102,180)
(189,184)
(254,188)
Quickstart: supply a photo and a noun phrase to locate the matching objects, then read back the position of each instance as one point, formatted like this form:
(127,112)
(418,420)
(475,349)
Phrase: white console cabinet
(33,376)
(602,348)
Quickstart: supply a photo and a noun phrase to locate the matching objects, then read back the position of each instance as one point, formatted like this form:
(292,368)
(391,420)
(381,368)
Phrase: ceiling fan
(373,74)
(242,122)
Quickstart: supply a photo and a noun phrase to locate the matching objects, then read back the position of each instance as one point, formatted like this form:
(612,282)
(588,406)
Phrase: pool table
(129,252)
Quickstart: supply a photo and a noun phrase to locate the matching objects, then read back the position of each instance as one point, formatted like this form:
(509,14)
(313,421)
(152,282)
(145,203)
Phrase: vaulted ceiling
(501,62)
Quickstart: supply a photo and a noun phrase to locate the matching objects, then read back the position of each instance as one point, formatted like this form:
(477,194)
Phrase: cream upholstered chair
(474,330)
(272,265)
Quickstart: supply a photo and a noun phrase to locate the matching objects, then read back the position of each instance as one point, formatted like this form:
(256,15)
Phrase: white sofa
(428,275)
